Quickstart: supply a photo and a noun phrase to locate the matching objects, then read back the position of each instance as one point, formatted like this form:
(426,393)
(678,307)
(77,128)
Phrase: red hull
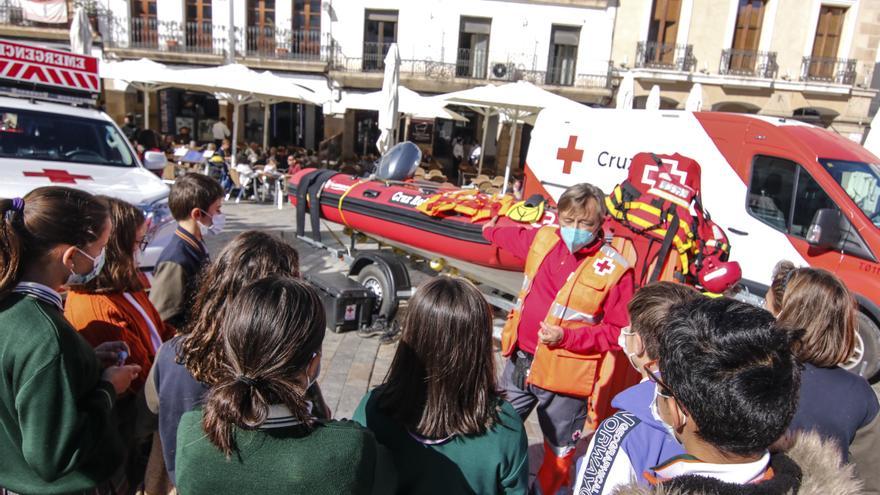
(389,211)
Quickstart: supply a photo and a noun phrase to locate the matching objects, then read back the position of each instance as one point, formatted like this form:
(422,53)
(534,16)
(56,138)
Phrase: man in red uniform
(568,317)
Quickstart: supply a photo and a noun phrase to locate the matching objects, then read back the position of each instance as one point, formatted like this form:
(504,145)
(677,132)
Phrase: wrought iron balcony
(273,42)
(471,63)
(654,55)
(832,70)
(144,32)
(748,63)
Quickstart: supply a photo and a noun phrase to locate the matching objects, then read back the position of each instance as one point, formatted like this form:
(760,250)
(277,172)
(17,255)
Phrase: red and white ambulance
(52,134)
(781,189)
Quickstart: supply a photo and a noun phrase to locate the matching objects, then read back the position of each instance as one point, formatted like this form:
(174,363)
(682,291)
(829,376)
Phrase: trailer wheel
(865,360)
(376,281)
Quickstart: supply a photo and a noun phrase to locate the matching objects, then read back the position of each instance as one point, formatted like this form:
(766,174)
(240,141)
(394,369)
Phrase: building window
(306,39)
(473,47)
(824,56)
(380,31)
(747,36)
(261,27)
(663,31)
(562,63)
(198,23)
(144,24)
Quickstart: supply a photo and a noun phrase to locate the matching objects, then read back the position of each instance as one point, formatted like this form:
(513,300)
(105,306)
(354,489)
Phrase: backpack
(657,222)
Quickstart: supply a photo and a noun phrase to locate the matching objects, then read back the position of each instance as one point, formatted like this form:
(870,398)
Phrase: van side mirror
(154,160)
(826,230)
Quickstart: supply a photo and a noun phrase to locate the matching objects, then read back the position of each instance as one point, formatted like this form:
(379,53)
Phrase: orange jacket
(103,318)
(577,304)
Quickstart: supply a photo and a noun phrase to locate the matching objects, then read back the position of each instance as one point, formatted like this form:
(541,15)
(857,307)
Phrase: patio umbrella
(409,103)
(517,101)
(694,101)
(872,140)
(80,32)
(143,75)
(388,119)
(653,101)
(625,92)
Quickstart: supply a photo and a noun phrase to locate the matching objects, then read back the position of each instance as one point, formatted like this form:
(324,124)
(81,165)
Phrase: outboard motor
(400,163)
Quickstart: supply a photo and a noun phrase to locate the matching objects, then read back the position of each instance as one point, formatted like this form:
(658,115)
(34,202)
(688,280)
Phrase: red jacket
(555,269)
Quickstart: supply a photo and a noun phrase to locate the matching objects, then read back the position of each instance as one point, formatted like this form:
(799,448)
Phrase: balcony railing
(748,63)
(471,63)
(654,55)
(826,69)
(144,32)
(374,56)
(12,14)
(272,42)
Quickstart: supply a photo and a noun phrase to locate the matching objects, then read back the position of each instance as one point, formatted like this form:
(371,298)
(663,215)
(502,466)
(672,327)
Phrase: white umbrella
(80,32)
(143,75)
(653,101)
(625,92)
(694,101)
(409,103)
(517,101)
(872,140)
(388,118)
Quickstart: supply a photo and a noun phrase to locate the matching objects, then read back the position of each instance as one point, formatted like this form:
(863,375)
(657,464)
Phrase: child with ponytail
(256,432)
(56,396)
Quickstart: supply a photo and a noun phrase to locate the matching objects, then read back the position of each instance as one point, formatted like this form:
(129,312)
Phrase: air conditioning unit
(502,70)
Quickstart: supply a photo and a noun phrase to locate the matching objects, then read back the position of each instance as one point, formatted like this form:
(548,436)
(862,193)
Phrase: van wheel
(865,359)
(374,279)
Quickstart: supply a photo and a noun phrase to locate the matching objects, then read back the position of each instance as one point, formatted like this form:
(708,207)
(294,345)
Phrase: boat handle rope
(342,198)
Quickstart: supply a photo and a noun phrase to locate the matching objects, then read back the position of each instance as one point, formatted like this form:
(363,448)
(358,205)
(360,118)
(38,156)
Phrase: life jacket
(658,221)
(578,303)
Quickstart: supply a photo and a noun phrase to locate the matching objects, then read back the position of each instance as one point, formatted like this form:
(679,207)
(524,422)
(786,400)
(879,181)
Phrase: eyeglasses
(143,243)
(653,369)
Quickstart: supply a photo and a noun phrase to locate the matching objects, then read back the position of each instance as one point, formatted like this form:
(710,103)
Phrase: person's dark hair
(819,302)
(120,272)
(149,139)
(781,273)
(732,369)
(45,218)
(442,379)
(222,119)
(266,343)
(193,191)
(249,256)
(577,196)
(649,307)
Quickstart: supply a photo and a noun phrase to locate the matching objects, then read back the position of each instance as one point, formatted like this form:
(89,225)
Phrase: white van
(43,142)
(781,189)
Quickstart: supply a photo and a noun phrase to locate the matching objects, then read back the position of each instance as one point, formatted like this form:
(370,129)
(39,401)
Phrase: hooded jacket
(812,466)
(625,445)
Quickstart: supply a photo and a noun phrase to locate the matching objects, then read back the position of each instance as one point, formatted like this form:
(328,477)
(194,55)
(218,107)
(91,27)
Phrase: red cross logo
(603,266)
(570,155)
(59,176)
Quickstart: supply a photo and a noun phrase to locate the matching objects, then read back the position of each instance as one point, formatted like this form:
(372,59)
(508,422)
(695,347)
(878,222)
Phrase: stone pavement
(350,365)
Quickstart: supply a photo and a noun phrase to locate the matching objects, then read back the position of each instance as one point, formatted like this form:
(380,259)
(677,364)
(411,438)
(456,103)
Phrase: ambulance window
(810,197)
(770,190)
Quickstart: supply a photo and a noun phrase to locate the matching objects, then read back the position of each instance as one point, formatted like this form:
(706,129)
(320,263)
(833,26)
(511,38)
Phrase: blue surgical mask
(97,265)
(575,238)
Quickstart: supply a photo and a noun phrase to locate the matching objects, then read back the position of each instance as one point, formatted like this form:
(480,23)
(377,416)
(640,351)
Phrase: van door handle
(737,231)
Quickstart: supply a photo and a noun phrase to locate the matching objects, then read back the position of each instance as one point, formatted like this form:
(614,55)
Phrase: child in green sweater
(256,432)
(439,411)
(56,397)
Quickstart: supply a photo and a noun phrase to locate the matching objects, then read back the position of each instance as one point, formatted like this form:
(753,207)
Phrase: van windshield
(861,181)
(61,138)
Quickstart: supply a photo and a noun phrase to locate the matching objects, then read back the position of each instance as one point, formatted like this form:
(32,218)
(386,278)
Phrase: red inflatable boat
(388,209)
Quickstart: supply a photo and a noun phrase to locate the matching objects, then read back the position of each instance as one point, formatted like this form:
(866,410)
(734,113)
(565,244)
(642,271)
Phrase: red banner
(34,64)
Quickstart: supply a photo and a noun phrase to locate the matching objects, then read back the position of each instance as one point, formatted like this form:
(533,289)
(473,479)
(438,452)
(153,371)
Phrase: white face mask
(217,223)
(621,341)
(81,279)
(656,414)
(312,379)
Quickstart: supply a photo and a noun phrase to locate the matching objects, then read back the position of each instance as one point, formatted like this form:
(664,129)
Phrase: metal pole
(486,116)
(235,104)
(147,108)
(230,51)
(513,122)
(266,124)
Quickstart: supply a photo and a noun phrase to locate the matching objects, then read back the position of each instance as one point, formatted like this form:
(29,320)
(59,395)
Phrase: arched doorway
(735,107)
